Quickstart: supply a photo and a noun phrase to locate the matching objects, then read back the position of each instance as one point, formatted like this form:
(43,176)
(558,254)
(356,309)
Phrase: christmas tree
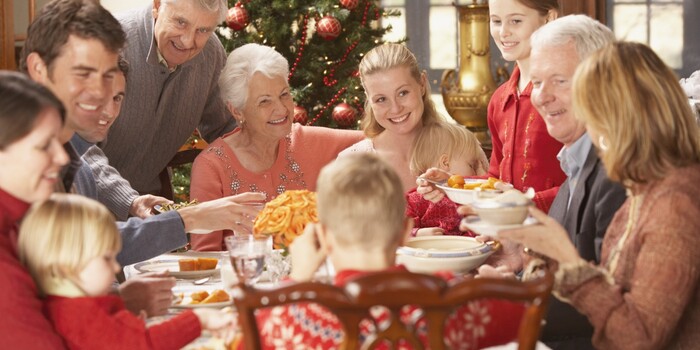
(323,41)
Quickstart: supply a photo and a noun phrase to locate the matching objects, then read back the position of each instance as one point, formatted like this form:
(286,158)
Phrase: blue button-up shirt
(571,160)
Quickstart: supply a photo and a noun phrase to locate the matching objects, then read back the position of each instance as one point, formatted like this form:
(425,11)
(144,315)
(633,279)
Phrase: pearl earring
(601,143)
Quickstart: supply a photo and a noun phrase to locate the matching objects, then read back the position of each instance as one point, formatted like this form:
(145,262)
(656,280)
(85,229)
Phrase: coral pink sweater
(216,172)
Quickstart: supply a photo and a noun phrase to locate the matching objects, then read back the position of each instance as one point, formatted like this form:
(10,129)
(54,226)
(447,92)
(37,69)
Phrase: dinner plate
(462,196)
(478,226)
(173,268)
(185,304)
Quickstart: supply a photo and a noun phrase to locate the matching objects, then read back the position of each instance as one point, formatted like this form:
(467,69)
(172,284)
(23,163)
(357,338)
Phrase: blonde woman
(397,107)
(451,148)
(639,119)
(70,243)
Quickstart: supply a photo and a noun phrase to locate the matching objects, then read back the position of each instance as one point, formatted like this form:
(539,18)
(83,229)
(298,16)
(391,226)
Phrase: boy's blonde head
(451,140)
(60,236)
(361,201)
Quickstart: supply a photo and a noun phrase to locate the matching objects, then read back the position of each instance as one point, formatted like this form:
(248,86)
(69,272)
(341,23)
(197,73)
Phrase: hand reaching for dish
(232,212)
(142,205)
(150,292)
(427,189)
(489,271)
(549,238)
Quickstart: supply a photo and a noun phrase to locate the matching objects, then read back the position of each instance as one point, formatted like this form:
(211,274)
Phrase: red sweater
(425,213)
(523,152)
(104,323)
(22,323)
(475,325)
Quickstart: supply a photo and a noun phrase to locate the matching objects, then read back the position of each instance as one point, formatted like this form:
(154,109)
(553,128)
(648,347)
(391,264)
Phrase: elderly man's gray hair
(587,34)
(218,6)
(240,66)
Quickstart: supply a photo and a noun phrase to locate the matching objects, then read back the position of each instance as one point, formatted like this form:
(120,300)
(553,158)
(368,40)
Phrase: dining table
(222,276)
(186,286)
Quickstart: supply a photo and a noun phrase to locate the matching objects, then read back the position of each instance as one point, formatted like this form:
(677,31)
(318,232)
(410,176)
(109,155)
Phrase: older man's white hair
(240,66)
(218,6)
(587,34)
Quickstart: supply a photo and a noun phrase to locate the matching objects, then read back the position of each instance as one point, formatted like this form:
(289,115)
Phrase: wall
(21,10)
(116,6)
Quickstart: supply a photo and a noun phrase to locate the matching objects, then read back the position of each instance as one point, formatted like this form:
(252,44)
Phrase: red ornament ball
(349,4)
(300,115)
(344,115)
(328,27)
(237,18)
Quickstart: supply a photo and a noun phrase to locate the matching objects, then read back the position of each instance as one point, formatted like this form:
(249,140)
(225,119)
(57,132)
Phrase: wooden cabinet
(592,8)
(7,35)
(9,40)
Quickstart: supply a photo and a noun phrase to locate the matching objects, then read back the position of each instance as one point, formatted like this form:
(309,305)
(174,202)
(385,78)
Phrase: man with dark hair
(82,75)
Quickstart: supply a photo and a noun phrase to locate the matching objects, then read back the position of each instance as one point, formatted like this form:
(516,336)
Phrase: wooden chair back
(394,290)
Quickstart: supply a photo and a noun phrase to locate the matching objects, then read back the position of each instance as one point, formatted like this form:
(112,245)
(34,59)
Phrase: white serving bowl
(462,196)
(430,254)
(499,214)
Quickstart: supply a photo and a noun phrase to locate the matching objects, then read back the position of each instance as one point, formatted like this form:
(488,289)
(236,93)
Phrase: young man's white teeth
(103,122)
(87,107)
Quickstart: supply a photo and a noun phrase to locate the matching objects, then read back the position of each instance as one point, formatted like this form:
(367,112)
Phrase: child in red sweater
(69,244)
(451,148)
(361,209)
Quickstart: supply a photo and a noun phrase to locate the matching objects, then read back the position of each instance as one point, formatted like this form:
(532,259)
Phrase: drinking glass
(248,256)
(278,265)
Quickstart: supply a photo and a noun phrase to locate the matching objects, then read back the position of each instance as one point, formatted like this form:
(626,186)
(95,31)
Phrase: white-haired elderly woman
(266,153)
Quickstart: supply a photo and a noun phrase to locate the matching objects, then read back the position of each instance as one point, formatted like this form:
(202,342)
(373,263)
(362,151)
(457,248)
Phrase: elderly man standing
(587,200)
(172,89)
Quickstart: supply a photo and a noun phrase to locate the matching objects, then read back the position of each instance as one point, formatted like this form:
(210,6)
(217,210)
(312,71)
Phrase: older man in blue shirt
(587,200)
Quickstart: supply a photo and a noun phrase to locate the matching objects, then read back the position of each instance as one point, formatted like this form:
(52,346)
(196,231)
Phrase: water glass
(279,265)
(248,255)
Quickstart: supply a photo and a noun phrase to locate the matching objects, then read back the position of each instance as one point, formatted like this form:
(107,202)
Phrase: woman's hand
(508,259)
(489,271)
(150,292)
(232,212)
(426,189)
(549,238)
(308,252)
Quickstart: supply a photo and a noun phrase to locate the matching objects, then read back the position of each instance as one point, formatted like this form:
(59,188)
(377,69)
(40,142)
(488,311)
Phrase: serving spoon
(201,281)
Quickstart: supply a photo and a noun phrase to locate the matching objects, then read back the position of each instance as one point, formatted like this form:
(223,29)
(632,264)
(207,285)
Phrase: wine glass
(248,256)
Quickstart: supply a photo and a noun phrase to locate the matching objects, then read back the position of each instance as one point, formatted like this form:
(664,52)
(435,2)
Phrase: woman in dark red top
(523,152)
(31,155)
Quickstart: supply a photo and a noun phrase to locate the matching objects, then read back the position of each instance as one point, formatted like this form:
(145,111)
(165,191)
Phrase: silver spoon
(201,281)
(435,182)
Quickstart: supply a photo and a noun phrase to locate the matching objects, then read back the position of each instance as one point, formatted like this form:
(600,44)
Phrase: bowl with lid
(508,208)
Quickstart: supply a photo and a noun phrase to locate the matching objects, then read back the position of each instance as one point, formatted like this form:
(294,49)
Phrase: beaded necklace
(292,173)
